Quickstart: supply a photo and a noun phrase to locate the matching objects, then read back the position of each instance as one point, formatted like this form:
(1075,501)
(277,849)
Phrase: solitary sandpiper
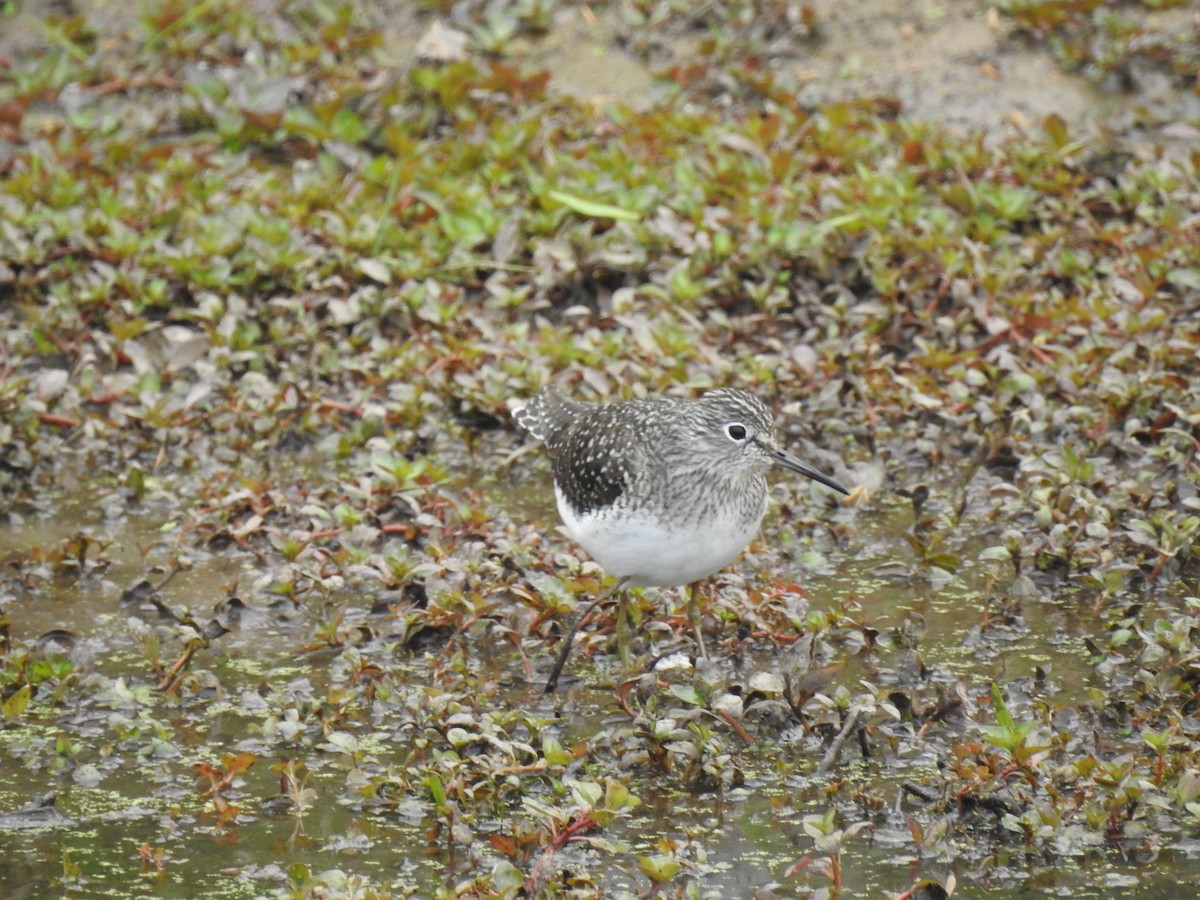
(660,491)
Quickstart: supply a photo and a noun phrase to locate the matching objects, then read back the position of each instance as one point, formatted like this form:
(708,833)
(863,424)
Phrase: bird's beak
(788,461)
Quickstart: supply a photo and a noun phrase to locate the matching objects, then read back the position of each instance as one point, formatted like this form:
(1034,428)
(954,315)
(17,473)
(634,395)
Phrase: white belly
(649,553)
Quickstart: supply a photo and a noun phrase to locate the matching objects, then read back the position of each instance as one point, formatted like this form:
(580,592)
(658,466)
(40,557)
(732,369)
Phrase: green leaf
(554,753)
(659,869)
(1015,382)
(687,693)
(507,878)
(1003,716)
(592,208)
(343,741)
(617,796)
(587,794)
(16,704)
(347,126)
(433,784)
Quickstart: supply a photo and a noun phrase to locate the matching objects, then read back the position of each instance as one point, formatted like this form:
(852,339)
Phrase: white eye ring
(737,432)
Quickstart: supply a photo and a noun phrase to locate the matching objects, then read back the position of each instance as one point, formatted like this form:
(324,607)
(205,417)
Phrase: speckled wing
(579,438)
(592,458)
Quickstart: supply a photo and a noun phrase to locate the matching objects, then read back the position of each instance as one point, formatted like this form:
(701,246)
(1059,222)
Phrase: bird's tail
(547,412)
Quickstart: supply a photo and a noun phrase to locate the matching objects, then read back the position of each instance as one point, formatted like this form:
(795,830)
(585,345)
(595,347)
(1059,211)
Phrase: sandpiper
(659,491)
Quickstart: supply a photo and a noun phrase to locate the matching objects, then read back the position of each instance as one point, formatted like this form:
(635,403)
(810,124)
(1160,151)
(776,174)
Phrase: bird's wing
(548,412)
(594,458)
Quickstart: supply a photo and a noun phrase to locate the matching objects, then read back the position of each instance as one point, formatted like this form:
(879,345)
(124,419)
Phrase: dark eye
(736,432)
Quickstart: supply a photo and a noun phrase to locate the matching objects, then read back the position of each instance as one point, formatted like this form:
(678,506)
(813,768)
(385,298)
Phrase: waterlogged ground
(281,582)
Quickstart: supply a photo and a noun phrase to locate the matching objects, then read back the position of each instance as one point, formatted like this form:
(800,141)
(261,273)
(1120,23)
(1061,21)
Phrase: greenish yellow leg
(624,629)
(697,616)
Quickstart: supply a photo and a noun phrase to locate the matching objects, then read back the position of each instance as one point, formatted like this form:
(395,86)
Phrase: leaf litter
(280,576)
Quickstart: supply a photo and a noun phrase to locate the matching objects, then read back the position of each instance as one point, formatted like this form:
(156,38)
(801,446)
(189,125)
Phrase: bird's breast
(654,547)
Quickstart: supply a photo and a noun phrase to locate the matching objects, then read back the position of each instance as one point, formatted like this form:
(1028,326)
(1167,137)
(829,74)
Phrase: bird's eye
(736,432)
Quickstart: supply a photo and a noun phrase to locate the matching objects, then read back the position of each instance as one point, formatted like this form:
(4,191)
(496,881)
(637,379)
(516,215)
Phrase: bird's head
(735,430)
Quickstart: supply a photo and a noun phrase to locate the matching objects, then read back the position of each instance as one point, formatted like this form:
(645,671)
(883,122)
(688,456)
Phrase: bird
(660,491)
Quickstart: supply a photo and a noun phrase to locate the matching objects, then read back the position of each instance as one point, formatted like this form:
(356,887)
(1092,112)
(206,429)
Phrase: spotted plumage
(661,491)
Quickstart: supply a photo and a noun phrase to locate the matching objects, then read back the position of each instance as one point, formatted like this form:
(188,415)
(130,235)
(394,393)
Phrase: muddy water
(736,842)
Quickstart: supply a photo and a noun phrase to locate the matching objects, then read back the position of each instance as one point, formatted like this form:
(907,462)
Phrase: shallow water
(736,840)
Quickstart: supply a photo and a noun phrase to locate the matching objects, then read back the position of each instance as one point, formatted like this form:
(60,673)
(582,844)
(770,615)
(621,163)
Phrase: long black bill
(788,461)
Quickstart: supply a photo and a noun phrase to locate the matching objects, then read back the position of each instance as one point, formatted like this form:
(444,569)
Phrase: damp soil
(281,582)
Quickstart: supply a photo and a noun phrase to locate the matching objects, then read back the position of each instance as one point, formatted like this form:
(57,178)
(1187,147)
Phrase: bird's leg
(697,615)
(624,629)
(569,637)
